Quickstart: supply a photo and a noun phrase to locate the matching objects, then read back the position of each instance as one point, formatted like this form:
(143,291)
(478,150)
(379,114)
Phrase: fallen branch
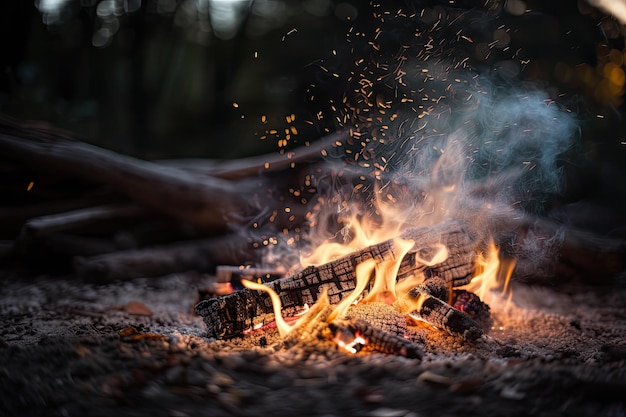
(206,200)
(262,164)
(196,255)
(12,218)
(72,220)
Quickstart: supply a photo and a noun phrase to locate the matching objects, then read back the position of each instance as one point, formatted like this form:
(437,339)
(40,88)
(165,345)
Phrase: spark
(293,30)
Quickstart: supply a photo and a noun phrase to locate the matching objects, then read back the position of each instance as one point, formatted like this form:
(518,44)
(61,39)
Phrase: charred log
(421,303)
(374,338)
(232,314)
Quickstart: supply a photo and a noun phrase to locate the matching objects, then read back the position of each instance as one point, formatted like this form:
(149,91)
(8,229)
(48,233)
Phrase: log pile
(116,217)
(108,216)
(232,314)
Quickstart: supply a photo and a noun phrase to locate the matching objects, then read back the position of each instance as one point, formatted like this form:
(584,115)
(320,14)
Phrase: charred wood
(232,314)
(421,303)
(375,338)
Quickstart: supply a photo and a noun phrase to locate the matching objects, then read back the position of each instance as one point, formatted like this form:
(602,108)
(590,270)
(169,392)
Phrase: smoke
(507,142)
(478,151)
(433,137)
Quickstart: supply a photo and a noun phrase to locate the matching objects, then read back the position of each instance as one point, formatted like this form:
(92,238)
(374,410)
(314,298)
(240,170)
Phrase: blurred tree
(208,78)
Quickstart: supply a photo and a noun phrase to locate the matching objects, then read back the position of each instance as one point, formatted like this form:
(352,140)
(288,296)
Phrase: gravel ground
(71,348)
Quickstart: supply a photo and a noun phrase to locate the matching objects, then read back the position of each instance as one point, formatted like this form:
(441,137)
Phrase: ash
(72,348)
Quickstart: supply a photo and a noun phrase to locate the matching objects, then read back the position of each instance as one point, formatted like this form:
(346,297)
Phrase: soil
(72,348)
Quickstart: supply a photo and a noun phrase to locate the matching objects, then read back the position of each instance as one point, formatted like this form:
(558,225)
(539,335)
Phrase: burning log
(374,326)
(356,333)
(423,302)
(231,315)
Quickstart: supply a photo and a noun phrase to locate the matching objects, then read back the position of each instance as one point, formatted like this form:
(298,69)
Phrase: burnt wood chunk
(377,339)
(421,303)
(230,315)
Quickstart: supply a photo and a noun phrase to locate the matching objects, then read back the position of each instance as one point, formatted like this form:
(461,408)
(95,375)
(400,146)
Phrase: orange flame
(360,231)
(493,276)
(283,327)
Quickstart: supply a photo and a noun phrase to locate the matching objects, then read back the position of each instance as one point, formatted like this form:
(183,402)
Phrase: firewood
(231,315)
(68,245)
(420,302)
(206,200)
(375,338)
(551,253)
(154,261)
(12,218)
(72,220)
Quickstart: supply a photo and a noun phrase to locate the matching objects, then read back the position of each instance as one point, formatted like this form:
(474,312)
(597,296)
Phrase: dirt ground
(70,348)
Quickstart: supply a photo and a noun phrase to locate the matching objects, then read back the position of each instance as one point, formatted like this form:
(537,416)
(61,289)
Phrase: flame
(360,230)
(377,281)
(363,273)
(384,288)
(492,283)
(283,327)
(492,277)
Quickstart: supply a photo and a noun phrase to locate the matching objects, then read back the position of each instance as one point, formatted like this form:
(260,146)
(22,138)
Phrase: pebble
(433,378)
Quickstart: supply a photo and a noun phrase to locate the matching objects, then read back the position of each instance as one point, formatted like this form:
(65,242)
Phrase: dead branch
(69,245)
(11,218)
(164,189)
(205,200)
(196,255)
(262,164)
(72,220)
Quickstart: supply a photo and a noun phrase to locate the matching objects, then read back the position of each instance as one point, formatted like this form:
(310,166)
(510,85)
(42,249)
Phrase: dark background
(166,78)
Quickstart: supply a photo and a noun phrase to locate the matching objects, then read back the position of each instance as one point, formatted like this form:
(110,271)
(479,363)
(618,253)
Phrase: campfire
(418,275)
(428,224)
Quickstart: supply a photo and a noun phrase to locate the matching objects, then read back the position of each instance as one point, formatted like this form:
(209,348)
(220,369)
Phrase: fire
(491,281)
(283,327)
(377,281)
